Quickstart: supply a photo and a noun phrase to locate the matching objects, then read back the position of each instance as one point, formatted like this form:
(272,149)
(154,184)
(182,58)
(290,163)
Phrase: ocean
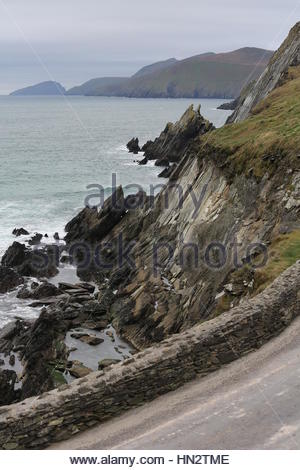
(52,148)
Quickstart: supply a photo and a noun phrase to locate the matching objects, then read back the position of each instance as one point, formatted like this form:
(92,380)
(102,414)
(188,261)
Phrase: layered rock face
(204,226)
(288,55)
(173,142)
(41,262)
(199,243)
(184,256)
(9,279)
(44,344)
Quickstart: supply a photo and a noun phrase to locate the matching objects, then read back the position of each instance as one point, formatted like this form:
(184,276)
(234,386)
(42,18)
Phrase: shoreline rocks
(79,370)
(35,239)
(44,290)
(173,142)
(9,279)
(231,106)
(175,139)
(107,362)
(38,262)
(87,339)
(18,232)
(133,146)
(91,225)
(39,346)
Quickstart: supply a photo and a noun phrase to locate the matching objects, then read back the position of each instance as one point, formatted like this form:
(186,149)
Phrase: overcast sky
(74,40)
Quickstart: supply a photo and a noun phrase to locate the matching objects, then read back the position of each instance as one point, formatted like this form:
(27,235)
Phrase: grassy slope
(269,138)
(283,253)
(205,75)
(89,88)
(155,67)
(192,79)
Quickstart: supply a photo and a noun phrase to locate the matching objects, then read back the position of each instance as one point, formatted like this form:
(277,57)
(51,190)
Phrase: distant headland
(206,75)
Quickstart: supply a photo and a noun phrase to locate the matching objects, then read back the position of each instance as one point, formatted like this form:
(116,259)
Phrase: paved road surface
(254,403)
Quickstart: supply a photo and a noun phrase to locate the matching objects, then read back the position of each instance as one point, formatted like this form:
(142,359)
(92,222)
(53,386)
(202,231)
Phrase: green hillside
(203,76)
(155,67)
(267,140)
(95,84)
(194,79)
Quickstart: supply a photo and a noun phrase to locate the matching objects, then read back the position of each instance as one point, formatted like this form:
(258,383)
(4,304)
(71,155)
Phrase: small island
(43,88)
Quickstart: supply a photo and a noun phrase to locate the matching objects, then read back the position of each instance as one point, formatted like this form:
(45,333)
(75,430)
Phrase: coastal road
(253,403)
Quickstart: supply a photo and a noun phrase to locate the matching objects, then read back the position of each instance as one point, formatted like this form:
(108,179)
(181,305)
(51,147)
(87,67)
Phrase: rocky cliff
(173,142)
(288,55)
(223,228)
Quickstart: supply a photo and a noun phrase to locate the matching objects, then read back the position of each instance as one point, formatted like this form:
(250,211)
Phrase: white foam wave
(12,307)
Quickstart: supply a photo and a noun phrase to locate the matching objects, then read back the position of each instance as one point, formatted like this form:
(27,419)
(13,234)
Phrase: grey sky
(81,39)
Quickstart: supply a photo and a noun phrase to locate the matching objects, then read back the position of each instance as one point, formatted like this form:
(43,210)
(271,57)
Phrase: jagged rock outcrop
(38,262)
(230,106)
(9,279)
(133,146)
(35,239)
(44,290)
(78,227)
(91,225)
(172,143)
(19,231)
(288,55)
(44,348)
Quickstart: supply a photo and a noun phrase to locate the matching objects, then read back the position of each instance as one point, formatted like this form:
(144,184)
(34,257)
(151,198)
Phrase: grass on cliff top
(269,138)
(282,253)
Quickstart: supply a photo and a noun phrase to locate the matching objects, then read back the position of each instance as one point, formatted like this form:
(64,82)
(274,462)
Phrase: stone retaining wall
(57,415)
